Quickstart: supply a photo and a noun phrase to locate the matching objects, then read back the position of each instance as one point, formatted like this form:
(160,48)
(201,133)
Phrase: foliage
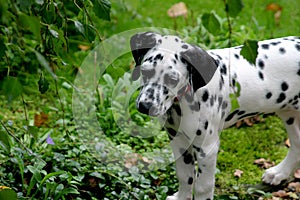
(43,155)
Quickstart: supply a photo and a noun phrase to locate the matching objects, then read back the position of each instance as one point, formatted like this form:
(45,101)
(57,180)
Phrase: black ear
(140,44)
(200,65)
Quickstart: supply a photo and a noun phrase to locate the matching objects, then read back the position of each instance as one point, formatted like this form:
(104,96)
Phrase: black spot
(205,96)
(176,56)
(220,58)
(171,132)
(295,102)
(275,43)
(149,59)
(223,69)
(174,61)
(206,125)
(223,114)
(290,121)
(241,112)
(265,46)
(284,86)
(298,73)
(195,106)
(158,57)
(165,90)
(221,83)
(236,56)
(268,95)
(199,132)
(199,171)
(298,47)
(176,40)
(190,181)
(154,64)
(176,107)
(159,41)
(261,64)
(150,93)
(220,100)
(281,98)
(187,158)
(248,115)
(261,75)
(231,115)
(282,50)
(185,46)
(200,150)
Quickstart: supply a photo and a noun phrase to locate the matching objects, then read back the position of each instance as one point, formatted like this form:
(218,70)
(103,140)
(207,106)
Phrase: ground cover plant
(44,153)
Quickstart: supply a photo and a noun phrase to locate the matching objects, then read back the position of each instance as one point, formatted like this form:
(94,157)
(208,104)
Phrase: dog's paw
(275,175)
(175,197)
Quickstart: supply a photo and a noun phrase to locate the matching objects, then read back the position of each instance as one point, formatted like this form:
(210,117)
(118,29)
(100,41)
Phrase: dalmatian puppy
(189,89)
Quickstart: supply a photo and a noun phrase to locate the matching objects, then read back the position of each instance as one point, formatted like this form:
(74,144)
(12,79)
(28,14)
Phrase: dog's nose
(146,108)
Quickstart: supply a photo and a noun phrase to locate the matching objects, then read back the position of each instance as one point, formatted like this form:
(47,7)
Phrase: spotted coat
(189,89)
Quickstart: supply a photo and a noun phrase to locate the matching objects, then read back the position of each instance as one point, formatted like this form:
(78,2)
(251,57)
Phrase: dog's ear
(140,44)
(200,65)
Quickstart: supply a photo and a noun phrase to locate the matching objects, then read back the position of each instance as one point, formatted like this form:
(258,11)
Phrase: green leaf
(211,23)
(3,47)
(234,97)
(43,84)
(54,33)
(102,9)
(7,193)
(249,51)
(5,141)
(234,102)
(11,88)
(30,23)
(234,7)
(79,27)
(42,60)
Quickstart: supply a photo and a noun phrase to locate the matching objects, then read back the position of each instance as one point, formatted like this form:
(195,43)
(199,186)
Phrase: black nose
(146,108)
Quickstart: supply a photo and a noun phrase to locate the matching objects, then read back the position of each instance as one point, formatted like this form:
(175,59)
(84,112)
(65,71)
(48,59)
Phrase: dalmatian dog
(189,89)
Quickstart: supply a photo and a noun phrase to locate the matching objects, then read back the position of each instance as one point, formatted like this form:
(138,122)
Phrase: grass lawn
(79,170)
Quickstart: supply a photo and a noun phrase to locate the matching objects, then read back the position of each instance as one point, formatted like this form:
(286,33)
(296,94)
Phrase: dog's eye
(171,79)
(147,74)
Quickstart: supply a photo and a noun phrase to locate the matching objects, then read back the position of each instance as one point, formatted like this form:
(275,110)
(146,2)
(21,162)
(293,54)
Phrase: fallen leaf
(280,193)
(263,163)
(277,9)
(40,119)
(294,186)
(131,160)
(178,9)
(249,121)
(83,47)
(238,173)
(273,7)
(297,174)
(287,143)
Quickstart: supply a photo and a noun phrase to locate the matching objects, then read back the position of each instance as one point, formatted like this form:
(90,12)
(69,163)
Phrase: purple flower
(49,140)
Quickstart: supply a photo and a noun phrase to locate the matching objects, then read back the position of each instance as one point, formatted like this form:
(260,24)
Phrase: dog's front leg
(185,167)
(206,155)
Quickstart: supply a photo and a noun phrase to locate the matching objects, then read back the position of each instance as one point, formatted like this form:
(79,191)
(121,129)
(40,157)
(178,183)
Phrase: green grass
(148,13)
(72,167)
(241,147)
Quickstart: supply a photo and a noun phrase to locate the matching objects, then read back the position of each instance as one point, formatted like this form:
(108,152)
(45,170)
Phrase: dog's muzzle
(147,108)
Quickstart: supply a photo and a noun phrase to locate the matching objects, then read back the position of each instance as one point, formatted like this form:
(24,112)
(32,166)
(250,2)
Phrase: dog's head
(169,69)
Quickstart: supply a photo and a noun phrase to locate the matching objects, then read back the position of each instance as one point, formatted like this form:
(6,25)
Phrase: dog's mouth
(148,108)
